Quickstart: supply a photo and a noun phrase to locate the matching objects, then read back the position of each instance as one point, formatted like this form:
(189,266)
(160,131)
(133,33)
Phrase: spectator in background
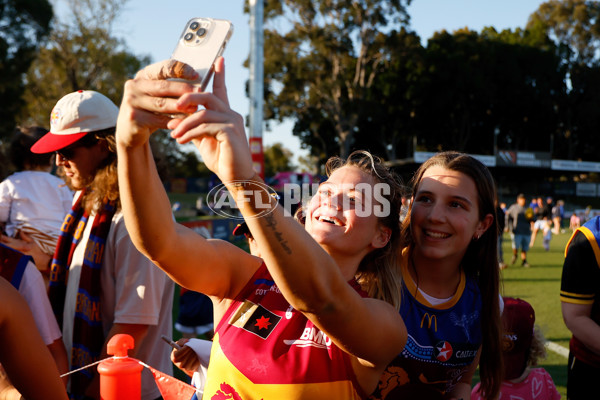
(557,216)
(33,202)
(540,208)
(131,295)
(547,208)
(500,217)
(574,222)
(545,226)
(518,223)
(523,348)
(580,303)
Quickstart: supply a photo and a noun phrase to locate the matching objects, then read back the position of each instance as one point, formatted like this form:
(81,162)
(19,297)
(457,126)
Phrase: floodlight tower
(256,85)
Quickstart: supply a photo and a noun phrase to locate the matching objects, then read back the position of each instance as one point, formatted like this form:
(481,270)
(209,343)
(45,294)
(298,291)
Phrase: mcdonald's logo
(429,319)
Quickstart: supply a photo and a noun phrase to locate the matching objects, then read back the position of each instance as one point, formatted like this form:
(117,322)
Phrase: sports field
(540,286)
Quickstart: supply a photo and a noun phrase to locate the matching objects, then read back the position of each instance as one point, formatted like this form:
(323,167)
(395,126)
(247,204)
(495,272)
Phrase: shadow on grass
(558,339)
(534,280)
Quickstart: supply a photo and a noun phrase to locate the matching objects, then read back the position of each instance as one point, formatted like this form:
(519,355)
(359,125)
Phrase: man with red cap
(100,284)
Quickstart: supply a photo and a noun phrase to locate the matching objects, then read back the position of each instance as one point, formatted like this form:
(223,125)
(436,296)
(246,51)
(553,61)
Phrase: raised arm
(306,274)
(148,105)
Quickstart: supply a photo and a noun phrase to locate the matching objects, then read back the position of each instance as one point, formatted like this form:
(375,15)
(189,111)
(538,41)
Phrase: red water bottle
(121,375)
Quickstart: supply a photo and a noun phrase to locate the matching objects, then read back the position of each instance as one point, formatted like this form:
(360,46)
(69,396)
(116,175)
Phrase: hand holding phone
(200,43)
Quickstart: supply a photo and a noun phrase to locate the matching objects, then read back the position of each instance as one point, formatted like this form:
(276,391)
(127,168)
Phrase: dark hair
(480,260)
(378,272)
(19,149)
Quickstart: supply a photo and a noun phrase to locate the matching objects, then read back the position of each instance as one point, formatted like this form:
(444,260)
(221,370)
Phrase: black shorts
(581,379)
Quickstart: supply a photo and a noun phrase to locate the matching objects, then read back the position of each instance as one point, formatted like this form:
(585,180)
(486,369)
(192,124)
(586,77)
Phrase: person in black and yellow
(580,302)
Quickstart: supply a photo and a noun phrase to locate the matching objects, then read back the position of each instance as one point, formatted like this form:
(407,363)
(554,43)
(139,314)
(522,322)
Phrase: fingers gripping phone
(202,41)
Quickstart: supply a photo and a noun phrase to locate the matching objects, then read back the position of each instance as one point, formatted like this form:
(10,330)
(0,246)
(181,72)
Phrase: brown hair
(479,262)
(377,272)
(19,150)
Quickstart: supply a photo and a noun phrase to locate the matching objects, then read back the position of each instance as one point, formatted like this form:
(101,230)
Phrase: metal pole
(256,84)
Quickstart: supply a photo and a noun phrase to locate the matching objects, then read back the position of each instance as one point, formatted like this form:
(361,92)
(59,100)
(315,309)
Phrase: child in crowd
(545,226)
(523,348)
(547,231)
(32,200)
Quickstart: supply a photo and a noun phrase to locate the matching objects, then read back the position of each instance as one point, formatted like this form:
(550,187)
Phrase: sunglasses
(68,152)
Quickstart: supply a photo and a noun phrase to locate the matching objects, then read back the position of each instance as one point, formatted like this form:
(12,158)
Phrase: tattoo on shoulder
(272,224)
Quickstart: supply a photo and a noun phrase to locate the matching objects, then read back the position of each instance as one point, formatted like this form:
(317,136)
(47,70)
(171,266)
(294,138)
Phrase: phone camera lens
(201,32)
(194,26)
(188,36)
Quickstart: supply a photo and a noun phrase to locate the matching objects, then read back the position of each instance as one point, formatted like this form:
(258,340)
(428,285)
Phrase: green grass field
(540,286)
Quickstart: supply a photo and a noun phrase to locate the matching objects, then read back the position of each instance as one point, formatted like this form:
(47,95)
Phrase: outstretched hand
(217,131)
(150,102)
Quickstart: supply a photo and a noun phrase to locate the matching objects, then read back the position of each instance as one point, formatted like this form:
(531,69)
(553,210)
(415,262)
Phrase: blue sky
(153,27)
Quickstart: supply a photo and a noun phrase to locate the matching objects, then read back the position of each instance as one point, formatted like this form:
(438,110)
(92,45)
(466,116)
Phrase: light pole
(256,85)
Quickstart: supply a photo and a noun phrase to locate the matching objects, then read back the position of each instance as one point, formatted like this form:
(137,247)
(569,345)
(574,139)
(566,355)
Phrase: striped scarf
(88,335)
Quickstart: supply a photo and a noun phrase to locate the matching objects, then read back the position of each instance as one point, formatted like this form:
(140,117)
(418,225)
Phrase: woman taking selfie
(293,324)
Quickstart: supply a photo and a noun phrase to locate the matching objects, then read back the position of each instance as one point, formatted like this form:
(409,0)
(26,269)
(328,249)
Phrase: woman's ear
(382,237)
(484,225)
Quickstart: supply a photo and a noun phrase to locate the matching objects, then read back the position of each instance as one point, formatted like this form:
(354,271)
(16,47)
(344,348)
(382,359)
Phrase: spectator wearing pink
(523,348)
(575,222)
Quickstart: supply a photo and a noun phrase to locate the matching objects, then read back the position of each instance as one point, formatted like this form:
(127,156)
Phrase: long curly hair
(479,262)
(104,184)
(378,273)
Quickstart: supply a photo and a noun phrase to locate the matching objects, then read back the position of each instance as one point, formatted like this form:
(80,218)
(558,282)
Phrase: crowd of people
(369,291)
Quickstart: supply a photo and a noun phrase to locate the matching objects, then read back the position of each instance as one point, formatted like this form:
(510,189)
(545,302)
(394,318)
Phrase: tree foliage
(352,75)
(82,53)
(277,159)
(574,25)
(321,59)
(479,86)
(24,24)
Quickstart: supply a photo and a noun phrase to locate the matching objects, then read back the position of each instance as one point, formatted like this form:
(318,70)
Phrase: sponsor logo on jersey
(255,319)
(311,337)
(261,291)
(289,312)
(430,319)
(442,351)
(465,353)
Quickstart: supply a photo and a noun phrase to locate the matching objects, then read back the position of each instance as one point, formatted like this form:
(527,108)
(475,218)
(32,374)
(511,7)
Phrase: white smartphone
(200,43)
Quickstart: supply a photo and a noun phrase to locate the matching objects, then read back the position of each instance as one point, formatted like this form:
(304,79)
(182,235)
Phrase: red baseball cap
(518,319)
(74,116)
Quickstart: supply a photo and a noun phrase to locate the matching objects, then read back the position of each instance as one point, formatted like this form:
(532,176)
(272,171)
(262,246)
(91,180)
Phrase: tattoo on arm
(272,224)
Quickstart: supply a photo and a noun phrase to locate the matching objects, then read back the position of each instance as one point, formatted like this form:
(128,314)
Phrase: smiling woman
(450,283)
(297,312)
